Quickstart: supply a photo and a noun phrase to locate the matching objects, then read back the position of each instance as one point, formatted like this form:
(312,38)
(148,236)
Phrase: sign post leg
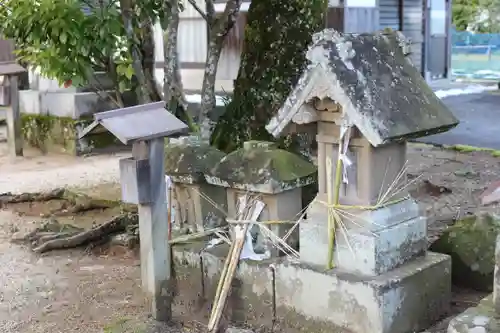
(153,231)
(14,128)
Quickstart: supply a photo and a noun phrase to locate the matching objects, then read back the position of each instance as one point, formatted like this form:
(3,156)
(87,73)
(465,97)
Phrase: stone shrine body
(367,100)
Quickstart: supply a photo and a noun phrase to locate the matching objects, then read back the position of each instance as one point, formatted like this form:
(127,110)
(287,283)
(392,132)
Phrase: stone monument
(367,99)
(198,205)
(277,177)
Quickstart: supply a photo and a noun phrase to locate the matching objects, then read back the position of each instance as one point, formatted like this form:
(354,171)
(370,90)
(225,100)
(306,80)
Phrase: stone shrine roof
(188,156)
(261,167)
(379,90)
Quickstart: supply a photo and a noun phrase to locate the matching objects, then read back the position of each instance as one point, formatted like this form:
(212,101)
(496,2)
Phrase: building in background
(426,22)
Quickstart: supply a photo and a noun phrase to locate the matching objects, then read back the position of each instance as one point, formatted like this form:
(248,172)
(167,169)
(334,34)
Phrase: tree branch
(209,5)
(228,18)
(198,9)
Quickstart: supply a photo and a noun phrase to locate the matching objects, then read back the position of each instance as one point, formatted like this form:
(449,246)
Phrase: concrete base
(62,103)
(480,319)
(407,299)
(376,242)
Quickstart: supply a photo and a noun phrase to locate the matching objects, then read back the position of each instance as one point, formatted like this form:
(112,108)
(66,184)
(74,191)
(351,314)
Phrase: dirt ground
(74,291)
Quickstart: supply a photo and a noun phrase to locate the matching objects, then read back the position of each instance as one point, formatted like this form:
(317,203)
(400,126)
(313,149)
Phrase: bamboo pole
(333,199)
(226,287)
(221,281)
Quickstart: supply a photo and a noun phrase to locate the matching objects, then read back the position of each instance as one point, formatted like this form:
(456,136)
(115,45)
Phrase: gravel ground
(35,172)
(67,291)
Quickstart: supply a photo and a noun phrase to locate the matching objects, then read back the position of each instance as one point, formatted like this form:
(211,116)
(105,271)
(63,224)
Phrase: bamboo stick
(333,201)
(221,281)
(240,212)
(226,287)
(252,213)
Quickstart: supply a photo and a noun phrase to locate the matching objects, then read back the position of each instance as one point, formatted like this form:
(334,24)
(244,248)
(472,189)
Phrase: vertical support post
(14,130)
(153,231)
(496,280)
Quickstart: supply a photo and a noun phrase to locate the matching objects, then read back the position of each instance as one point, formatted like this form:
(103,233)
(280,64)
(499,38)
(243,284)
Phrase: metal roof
(137,123)
(8,65)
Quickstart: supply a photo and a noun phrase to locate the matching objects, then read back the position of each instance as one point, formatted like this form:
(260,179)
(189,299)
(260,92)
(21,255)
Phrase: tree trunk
(127,7)
(208,100)
(148,60)
(273,58)
(173,92)
(218,29)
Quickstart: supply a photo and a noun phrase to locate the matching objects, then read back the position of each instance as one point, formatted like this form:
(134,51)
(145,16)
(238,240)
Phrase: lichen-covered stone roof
(378,88)
(189,156)
(261,167)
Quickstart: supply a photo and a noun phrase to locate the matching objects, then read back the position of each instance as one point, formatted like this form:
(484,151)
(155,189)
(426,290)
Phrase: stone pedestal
(407,299)
(282,206)
(192,207)
(384,245)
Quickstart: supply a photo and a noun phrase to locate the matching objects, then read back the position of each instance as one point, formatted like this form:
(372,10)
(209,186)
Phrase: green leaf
(63,37)
(129,72)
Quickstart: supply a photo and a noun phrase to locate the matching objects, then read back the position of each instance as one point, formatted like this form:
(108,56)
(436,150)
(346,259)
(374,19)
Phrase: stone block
(407,299)
(282,206)
(29,101)
(479,319)
(62,103)
(372,253)
(376,242)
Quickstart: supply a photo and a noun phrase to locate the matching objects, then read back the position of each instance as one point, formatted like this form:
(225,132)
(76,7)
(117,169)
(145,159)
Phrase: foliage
(70,39)
(276,39)
(463,13)
(476,15)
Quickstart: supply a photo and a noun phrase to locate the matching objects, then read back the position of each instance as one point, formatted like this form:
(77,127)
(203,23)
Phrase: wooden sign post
(9,96)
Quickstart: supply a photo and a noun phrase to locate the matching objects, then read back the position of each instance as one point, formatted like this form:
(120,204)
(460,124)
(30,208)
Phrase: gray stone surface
(191,158)
(381,93)
(377,242)
(62,103)
(263,167)
(471,243)
(479,319)
(405,300)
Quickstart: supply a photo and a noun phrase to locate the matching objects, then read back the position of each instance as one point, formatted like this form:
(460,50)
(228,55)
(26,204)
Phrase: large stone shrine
(367,99)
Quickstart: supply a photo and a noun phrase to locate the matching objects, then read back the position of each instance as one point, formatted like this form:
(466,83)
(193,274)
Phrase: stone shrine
(367,99)
(277,177)
(187,161)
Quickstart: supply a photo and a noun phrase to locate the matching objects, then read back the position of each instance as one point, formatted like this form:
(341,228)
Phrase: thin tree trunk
(171,82)
(127,12)
(173,92)
(208,98)
(219,28)
(148,62)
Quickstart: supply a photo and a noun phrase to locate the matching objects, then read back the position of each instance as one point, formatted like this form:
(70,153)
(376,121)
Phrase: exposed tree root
(103,231)
(53,235)
(9,198)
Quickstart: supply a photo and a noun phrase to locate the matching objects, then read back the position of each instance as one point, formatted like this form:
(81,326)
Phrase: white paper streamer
(345,133)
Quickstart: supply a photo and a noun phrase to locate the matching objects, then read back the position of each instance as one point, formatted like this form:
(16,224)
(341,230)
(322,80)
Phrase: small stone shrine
(197,204)
(278,176)
(367,99)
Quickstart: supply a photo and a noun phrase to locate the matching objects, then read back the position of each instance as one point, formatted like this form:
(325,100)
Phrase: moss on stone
(277,35)
(191,158)
(262,163)
(47,132)
(471,244)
